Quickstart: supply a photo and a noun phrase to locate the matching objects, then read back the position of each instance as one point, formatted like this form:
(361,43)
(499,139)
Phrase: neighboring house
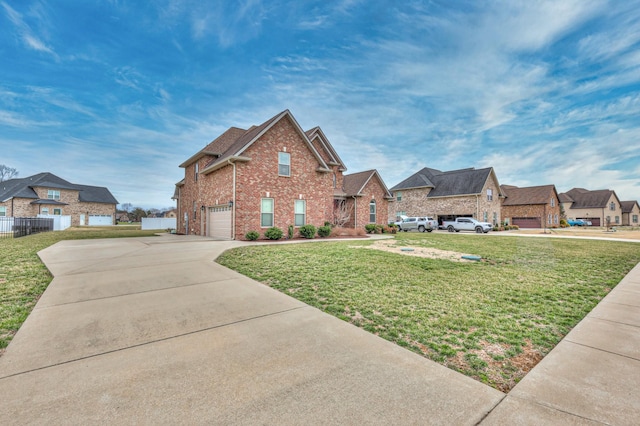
(122,217)
(171,214)
(601,207)
(274,174)
(47,194)
(447,195)
(630,212)
(531,207)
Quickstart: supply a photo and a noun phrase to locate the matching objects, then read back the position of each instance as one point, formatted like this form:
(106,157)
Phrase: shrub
(290,232)
(388,230)
(324,231)
(327,223)
(379,229)
(370,228)
(252,235)
(564,223)
(273,233)
(308,231)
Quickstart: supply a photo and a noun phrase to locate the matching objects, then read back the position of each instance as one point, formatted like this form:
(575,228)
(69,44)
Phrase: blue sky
(119,93)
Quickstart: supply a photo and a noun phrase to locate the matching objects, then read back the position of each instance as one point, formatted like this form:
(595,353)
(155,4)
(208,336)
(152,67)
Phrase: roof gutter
(233,198)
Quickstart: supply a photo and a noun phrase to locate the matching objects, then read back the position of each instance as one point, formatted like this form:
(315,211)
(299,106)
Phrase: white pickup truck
(467,224)
(420,223)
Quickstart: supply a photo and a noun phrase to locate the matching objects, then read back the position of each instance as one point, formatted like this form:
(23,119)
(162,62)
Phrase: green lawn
(23,277)
(492,320)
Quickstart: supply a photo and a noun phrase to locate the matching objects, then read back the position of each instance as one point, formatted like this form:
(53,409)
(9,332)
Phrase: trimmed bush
(308,231)
(370,228)
(324,231)
(290,232)
(252,235)
(273,233)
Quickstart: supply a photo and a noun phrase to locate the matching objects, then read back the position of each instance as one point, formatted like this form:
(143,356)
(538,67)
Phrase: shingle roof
(584,199)
(354,183)
(627,206)
(529,195)
(232,144)
(454,182)
(23,188)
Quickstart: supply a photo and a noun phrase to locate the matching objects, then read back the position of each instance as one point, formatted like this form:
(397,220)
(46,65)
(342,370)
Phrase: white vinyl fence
(6,225)
(159,223)
(60,223)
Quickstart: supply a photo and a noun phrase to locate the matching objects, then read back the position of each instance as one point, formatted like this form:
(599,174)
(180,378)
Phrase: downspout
(233,198)
(355,212)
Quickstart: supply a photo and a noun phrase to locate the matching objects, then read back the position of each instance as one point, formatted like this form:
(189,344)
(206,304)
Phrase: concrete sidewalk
(152,331)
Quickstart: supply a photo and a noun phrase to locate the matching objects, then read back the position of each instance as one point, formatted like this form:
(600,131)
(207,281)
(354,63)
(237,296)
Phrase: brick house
(274,174)
(531,207)
(446,195)
(630,212)
(601,207)
(47,194)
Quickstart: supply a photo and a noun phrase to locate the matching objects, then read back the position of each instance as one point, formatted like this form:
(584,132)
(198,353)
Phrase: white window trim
(296,203)
(288,156)
(375,211)
(273,207)
(3,211)
(489,194)
(53,194)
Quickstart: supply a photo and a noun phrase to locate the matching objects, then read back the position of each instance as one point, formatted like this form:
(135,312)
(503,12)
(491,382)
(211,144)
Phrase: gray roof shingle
(443,184)
(23,188)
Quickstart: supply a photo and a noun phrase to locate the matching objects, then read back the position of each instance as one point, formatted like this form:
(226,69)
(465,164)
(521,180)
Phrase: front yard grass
(23,277)
(492,320)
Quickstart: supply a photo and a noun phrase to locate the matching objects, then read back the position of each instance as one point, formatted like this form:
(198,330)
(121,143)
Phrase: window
(612,206)
(45,210)
(284,164)
(495,218)
(335,180)
(196,170)
(195,208)
(485,217)
(617,219)
(300,212)
(399,196)
(550,219)
(556,219)
(53,194)
(372,211)
(3,212)
(489,195)
(635,216)
(266,212)
(553,202)
(57,211)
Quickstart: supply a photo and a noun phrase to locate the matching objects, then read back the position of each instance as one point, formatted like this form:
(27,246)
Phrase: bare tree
(341,213)
(7,173)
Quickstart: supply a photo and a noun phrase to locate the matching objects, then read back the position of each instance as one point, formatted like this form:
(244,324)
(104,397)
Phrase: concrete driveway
(153,331)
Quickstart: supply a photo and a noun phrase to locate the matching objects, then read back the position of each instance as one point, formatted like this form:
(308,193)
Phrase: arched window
(372,211)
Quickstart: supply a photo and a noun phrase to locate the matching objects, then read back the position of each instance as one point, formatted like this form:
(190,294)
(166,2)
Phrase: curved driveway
(153,331)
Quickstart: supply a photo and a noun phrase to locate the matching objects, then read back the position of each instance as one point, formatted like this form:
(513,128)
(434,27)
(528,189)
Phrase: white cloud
(27,35)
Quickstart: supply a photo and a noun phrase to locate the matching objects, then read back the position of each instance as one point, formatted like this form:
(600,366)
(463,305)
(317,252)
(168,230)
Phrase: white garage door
(219,222)
(100,220)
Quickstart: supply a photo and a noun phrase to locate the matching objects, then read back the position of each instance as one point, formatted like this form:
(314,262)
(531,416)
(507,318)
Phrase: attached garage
(527,222)
(219,222)
(100,220)
(595,221)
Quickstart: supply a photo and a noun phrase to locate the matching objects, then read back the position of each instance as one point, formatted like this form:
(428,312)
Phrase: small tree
(7,173)
(341,213)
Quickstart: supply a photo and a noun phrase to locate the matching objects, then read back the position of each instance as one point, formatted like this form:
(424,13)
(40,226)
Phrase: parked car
(575,222)
(467,224)
(419,223)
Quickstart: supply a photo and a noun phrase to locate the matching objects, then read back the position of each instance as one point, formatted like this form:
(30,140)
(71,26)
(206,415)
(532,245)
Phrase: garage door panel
(100,220)
(527,222)
(219,222)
